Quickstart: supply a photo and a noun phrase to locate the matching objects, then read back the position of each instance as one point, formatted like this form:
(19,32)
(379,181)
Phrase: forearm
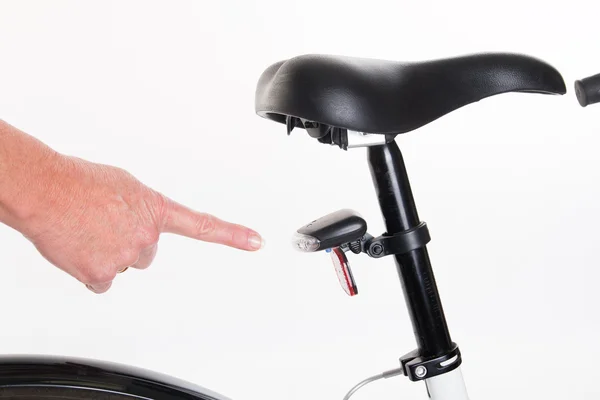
(25,174)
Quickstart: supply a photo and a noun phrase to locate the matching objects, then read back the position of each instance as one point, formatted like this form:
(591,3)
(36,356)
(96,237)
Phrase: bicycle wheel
(64,378)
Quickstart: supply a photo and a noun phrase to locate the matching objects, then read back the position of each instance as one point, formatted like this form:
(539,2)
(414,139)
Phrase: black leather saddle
(390,97)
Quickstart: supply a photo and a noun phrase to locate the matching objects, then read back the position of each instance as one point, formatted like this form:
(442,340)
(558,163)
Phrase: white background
(509,187)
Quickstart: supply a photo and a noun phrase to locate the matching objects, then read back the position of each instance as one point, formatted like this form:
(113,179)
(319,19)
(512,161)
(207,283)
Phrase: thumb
(183,221)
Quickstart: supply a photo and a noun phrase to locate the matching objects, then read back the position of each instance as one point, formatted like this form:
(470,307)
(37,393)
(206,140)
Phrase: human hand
(93,221)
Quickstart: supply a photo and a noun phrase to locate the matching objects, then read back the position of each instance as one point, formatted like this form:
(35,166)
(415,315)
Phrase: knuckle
(85,274)
(122,172)
(128,258)
(205,225)
(99,275)
(153,205)
(159,206)
(158,200)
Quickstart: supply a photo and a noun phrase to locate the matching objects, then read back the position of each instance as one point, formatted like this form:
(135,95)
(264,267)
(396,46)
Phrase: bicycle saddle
(390,97)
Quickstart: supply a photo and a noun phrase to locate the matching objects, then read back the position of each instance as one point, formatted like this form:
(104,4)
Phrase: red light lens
(343,272)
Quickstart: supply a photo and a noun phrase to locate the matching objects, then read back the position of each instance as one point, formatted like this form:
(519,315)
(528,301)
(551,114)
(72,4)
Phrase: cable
(361,384)
(384,375)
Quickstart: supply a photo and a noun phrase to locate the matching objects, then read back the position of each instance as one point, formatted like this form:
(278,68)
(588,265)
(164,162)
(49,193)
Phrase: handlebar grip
(588,90)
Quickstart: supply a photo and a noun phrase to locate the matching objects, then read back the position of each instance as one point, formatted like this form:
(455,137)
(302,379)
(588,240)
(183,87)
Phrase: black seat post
(416,275)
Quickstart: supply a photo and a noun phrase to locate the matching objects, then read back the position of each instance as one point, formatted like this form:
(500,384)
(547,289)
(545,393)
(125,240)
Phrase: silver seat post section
(362,139)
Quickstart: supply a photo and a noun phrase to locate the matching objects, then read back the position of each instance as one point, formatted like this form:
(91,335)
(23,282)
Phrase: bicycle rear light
(332,230)
(337,232)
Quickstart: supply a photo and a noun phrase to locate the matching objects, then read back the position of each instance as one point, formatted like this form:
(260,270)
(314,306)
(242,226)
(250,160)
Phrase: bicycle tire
(68,378)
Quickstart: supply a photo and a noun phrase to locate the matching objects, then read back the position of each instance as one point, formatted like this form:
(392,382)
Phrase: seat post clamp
(418,368)
(400,243)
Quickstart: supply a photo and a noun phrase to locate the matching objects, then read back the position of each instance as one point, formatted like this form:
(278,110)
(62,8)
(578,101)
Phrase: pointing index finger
(183,221)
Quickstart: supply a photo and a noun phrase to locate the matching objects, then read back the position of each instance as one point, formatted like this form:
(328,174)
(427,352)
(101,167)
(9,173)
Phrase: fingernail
(99,288)
(256,242)
(91,288)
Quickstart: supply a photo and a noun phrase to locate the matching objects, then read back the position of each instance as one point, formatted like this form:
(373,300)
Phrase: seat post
(414,268)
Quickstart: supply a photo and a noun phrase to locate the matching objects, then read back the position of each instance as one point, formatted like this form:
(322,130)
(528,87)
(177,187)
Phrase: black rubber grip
(588,90)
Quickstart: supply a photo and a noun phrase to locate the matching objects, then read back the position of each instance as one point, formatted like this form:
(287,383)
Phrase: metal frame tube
(449,386)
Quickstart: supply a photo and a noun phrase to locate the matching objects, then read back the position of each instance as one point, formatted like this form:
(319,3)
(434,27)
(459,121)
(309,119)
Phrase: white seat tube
(448,386)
